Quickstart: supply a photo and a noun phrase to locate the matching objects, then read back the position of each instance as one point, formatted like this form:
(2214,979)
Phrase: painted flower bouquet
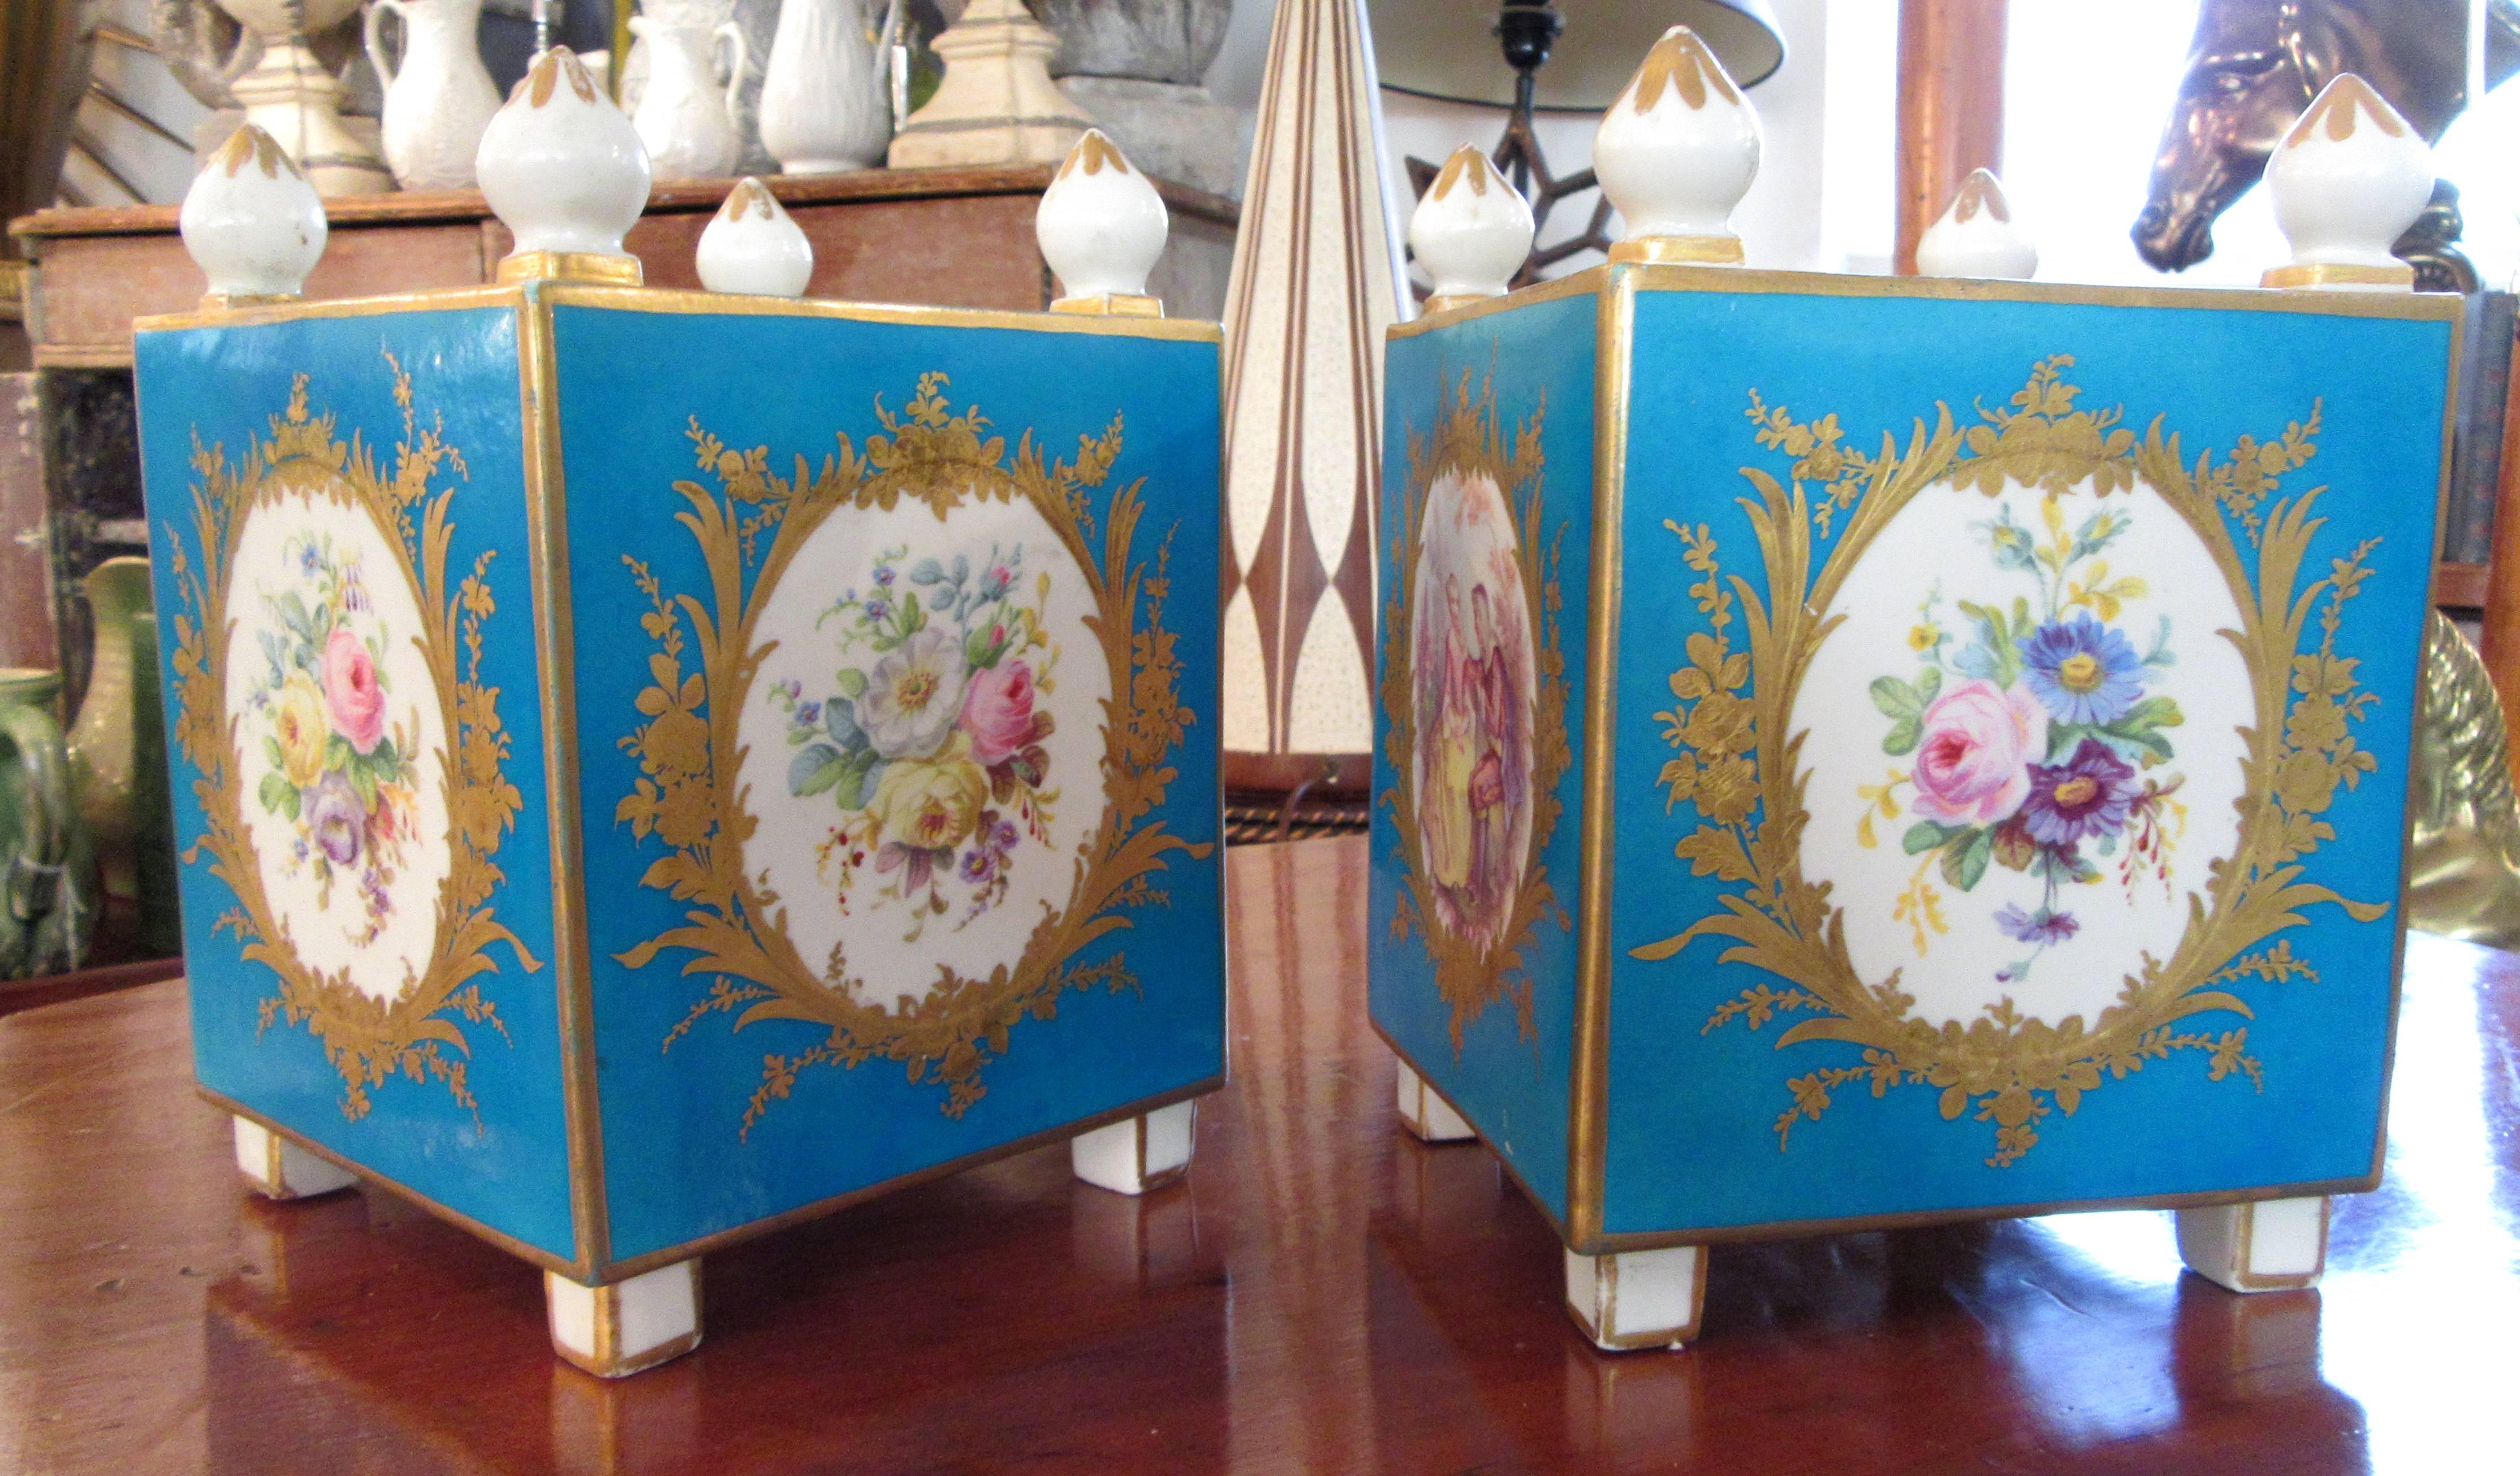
(336,772)
(932,749)
(2037,746)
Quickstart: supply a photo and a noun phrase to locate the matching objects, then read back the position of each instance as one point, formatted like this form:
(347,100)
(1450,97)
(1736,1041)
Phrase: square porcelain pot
(1864,751)
(654,766)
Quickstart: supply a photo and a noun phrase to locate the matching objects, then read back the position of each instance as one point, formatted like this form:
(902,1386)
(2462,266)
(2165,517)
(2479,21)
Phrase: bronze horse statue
(2252,70)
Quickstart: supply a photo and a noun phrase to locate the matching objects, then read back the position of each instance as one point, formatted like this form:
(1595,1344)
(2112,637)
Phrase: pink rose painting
(1970,758)
(2049,755)
(334,774)
(350,691)
(931,742)
(997,711)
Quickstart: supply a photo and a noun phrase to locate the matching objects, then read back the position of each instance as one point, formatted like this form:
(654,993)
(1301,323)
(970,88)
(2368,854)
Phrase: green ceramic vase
(48,897)
(117,755)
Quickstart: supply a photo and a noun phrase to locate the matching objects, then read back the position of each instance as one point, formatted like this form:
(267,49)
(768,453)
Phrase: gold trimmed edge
(1444,312)
(647,1260)
(2247,1280)
(1606,1268)
(680,300)
(1588,1115)
(555,665)
(501,1239)
(290,310)
(1659,278)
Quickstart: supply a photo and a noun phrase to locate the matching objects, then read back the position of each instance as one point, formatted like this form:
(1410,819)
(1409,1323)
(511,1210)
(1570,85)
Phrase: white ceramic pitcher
(439,98)
(825,105)
(685,117)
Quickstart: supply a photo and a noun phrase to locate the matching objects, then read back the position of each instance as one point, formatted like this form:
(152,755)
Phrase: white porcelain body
(1976,237)
(561,166)
(753,246)
(1472,230)
(687,117)
(2344,201)
(439,97)
(1670,167)
(824,103)
(251,221)
(1101,224)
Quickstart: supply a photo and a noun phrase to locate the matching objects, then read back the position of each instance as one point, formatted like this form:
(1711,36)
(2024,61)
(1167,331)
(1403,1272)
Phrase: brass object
(2463,852)
(2252,69)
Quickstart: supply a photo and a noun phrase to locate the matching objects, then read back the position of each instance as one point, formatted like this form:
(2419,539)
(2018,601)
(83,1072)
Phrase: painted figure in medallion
(1472,659)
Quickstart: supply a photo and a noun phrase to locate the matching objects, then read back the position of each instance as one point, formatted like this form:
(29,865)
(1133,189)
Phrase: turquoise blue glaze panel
(1497,1041)
(863,825)
(225,392)
(2085,851)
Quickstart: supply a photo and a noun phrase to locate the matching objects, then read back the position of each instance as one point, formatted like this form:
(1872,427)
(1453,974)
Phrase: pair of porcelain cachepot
(657,766)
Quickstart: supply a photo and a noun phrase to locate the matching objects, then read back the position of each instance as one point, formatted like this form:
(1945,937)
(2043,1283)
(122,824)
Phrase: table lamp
(1589,50)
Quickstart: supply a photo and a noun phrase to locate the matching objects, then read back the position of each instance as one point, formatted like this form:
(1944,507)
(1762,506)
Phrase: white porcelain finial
(2347,181)
(1101,226)
(1977,237)
(754,247)
(1471,231)
(1676,153)
(564,170)
(252,222)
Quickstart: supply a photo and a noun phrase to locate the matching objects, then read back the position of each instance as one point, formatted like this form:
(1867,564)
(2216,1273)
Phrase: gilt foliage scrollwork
(1737,762)
(750,523)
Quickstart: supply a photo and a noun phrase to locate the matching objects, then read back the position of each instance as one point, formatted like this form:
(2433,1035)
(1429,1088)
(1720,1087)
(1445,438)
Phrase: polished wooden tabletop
(1324,1295)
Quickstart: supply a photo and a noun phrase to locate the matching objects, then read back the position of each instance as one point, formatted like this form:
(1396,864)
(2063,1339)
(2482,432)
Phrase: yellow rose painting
(302,727)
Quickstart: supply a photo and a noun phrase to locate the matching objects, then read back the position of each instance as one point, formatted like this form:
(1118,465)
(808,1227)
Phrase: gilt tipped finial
(753,246)
(1676,153)
(1101,226)
(2347,181)
(1977,237)
(252,222)
(565,171)
(1471,231)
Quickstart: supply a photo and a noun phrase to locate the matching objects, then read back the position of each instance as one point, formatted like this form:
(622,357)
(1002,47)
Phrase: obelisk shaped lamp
(1861,751)
(657,765)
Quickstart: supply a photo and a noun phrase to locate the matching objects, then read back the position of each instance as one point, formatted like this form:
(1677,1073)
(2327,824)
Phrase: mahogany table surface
(1323,1295)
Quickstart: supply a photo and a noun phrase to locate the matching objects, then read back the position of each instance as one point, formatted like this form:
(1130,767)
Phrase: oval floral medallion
(2026,745)
(1471,656)
(955,713)
(2013,767)
(341,739)
(348,758)
(921,750)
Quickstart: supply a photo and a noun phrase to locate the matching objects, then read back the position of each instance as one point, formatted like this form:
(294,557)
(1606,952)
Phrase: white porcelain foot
(1137,1155)
(1638,1298)
(278,1169)
(2263,1245)
(1425,1112)
(627,1325)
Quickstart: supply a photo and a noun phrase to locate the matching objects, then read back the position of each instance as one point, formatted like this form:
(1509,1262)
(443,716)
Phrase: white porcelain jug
(685,117)
(440,97)
(824,102)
